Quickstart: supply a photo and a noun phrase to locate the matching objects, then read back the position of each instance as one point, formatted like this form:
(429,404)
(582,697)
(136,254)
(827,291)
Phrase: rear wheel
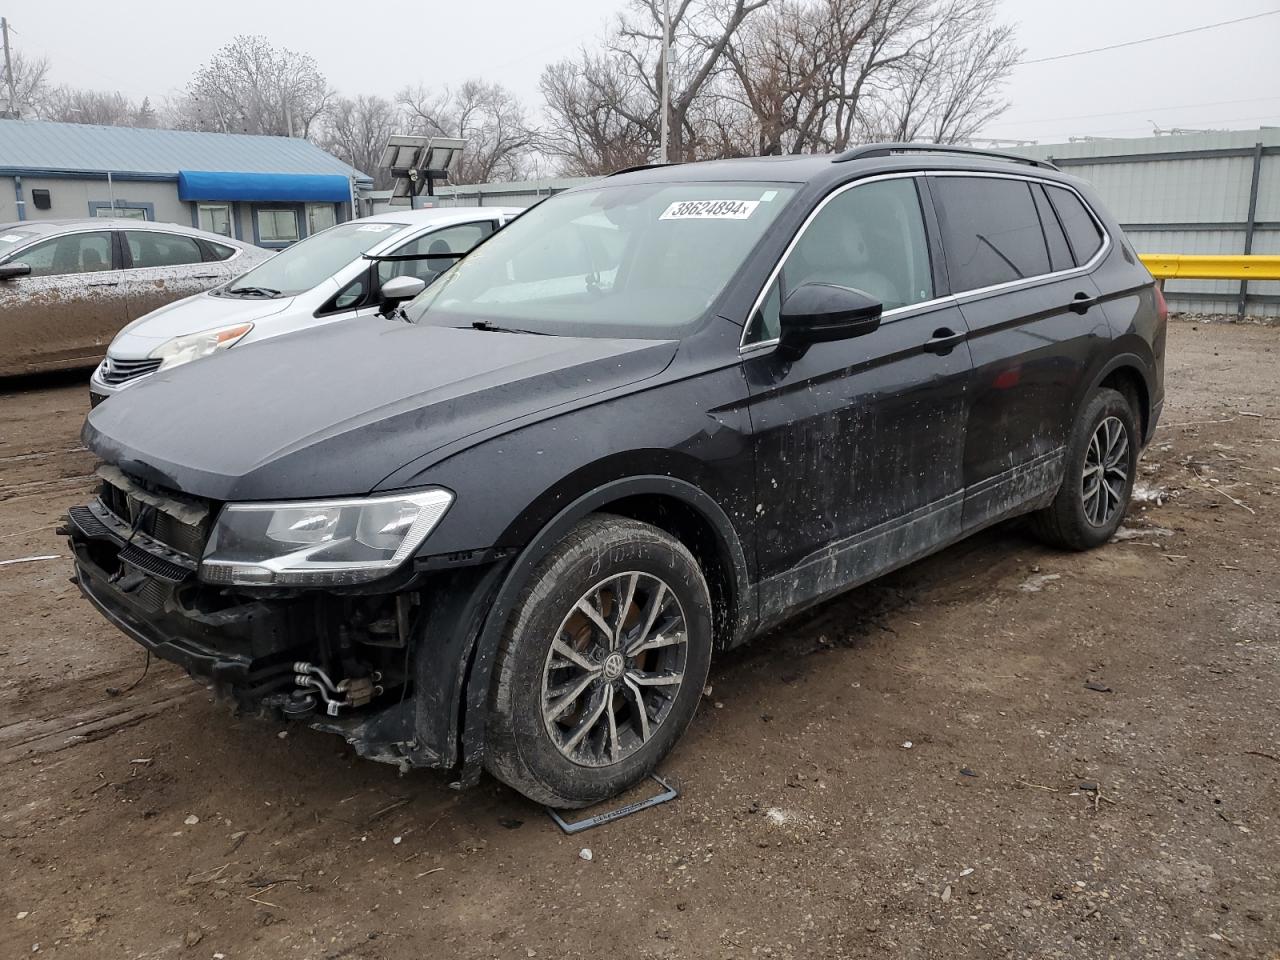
(602,666)
(1101,463)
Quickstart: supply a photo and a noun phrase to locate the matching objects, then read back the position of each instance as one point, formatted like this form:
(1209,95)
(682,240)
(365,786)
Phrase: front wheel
(1101,463)
(602,665)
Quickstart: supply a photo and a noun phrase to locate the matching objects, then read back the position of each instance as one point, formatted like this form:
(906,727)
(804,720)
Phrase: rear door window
(151,248)
(990,231)
(1082,230)
(73,253)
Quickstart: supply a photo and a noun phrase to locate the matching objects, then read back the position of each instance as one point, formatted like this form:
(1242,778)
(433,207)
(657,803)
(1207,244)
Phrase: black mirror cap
(822,312)
(9,271)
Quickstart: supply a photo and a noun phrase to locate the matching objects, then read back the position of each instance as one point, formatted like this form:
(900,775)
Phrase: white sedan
(331,276)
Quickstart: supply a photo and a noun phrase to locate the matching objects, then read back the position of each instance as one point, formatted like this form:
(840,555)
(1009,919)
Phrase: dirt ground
(1000,751)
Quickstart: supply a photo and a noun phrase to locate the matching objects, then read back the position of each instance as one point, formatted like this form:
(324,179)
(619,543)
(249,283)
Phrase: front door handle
(944,340)
(1081,303)
(104,283)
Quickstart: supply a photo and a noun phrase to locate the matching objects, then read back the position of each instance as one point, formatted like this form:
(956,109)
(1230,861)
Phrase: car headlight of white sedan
(193,346)
(320,542)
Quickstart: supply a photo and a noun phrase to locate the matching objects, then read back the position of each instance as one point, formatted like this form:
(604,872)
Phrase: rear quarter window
(990,231)
(1082,230)
(220,251)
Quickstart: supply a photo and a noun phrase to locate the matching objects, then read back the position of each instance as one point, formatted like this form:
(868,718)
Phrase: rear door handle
(1081,303)
(944,340)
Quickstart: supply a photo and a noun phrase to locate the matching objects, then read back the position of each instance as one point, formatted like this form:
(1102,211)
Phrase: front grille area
(115,371)
(186,538)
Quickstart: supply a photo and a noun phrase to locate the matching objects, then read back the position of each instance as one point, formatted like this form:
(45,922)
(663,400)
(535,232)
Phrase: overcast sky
(1227,77)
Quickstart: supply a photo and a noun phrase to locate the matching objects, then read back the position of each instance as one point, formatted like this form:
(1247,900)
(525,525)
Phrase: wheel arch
(1131,376)
(672,504)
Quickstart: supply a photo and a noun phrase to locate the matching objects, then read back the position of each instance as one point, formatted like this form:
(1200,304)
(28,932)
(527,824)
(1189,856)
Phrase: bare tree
(823,74)
(595,100)
(950,86)
(30,84)
(596,112)
(487,115)
(251,86)
(356,130)
(71,105)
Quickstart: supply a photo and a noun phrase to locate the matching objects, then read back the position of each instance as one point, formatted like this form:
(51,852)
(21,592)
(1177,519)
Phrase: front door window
(871,238)
(74,253)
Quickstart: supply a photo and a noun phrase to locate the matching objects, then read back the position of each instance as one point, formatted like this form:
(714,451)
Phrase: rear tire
(602,665)
(1101,463)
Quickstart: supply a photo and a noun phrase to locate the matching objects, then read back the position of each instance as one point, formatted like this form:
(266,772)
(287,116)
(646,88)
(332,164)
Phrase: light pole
(8,70)
(666,76)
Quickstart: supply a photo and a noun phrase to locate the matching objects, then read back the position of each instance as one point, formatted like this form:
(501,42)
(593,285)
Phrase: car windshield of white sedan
(314,260)
(643,260)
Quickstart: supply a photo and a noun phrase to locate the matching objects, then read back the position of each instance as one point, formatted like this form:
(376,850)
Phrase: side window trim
(889,315)
(1099,254)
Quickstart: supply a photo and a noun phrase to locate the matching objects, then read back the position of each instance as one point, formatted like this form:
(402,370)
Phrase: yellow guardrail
(1196,266)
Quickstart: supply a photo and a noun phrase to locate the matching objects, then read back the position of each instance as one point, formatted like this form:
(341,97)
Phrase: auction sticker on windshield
(710,210)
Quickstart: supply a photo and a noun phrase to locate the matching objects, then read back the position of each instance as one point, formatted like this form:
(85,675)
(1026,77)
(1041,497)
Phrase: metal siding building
(232,183)
(1190,194)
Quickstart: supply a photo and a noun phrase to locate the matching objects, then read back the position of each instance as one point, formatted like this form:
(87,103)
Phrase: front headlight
(193,346)
(321,542)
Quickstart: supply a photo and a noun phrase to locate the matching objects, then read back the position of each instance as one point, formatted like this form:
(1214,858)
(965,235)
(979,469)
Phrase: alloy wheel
(614,669)
(1106,471)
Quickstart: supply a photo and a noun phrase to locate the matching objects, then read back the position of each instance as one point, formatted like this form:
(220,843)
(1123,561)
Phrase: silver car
(339,273)
(68,286)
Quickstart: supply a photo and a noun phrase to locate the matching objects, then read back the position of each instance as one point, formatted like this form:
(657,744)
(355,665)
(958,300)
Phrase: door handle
(944,340)
(104,283)
(1081,303)
(204,276)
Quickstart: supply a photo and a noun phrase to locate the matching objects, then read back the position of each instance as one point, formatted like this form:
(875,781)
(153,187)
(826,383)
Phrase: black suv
(653,417)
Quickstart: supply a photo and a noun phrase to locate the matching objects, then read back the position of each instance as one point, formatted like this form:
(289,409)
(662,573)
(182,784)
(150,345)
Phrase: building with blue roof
(271,191)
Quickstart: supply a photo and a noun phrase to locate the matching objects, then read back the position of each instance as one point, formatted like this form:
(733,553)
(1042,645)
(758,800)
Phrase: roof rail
(887,149)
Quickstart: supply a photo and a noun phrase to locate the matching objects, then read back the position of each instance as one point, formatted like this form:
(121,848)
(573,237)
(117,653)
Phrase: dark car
(652,418)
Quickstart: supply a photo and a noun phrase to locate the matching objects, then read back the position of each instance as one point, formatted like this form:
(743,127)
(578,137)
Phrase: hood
(333,411)
(204,311)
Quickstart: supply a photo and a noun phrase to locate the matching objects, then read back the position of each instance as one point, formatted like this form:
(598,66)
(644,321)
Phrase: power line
(1163,36)
(1136,110)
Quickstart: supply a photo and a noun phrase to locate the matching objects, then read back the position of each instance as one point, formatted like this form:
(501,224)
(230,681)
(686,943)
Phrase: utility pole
(666,75)
(8,71)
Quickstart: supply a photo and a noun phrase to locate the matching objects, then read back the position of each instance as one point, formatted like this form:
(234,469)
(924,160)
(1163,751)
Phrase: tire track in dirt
(30,737)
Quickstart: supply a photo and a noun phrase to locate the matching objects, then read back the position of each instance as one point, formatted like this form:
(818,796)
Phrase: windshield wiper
(256,291)
(488,327)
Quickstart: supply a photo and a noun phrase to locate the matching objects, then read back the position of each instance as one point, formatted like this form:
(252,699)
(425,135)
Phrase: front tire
(602,665)
(1101,463)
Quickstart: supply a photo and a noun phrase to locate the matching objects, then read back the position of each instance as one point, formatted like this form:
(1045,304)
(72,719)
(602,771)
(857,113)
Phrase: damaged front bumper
(384,666)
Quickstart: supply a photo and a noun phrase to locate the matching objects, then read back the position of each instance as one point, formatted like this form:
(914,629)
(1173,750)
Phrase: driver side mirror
(10,271)
(397,290)
(822,312)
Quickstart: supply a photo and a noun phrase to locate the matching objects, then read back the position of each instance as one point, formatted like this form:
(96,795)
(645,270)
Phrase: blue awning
(212,185)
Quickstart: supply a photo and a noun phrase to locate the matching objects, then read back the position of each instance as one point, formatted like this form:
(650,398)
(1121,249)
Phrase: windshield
(314,260)
(11,239)
(642,260)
